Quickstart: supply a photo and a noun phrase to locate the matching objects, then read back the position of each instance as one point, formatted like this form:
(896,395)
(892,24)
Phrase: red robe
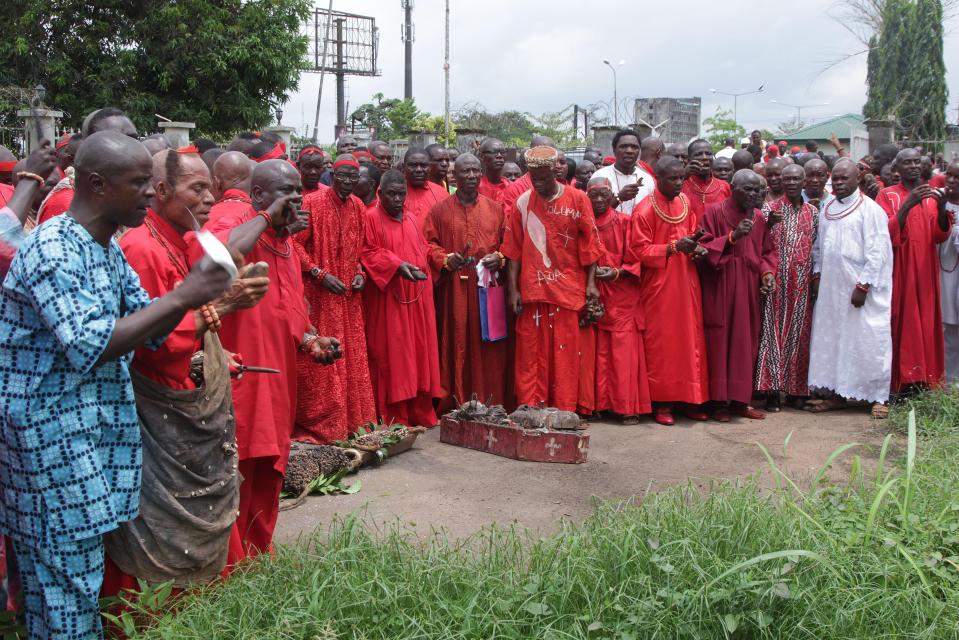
(918,353)
(468,365)
(6,192)
(419,201)
(56,204)
(400,321)
(267,335)
(494,190)
(160,256)
(621,383)
(170,364)
(513,191)
(702,194)
(553,242)
(669,288)
(336,399)
(732,312)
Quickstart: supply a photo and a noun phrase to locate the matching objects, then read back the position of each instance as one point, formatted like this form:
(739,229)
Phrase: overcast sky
(543,56)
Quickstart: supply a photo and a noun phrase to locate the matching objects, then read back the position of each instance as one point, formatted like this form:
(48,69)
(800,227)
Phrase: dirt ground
(461,490)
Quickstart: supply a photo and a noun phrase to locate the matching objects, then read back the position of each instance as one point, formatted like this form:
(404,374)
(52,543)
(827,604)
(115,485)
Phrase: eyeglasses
(495,152)
(347,177)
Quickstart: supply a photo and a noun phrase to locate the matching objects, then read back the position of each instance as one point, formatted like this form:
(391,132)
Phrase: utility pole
(446,72)
(408,47)
(340,81)
(322,65)
(575,120)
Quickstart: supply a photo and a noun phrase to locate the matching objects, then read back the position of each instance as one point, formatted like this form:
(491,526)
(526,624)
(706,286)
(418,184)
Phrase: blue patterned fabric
(61,588)
(69,437)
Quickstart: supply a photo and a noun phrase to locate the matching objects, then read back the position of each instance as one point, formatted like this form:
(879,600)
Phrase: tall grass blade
(832,458)
(874,509)
(775,555)
(919,571)
(910,466)
(775,467)
(880,465)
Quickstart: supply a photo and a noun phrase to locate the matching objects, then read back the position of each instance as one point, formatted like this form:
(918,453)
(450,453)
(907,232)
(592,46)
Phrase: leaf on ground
(781,590)
(731,622)
(537,608)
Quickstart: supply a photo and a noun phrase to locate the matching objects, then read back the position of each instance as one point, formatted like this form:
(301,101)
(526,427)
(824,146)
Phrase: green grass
(875,557)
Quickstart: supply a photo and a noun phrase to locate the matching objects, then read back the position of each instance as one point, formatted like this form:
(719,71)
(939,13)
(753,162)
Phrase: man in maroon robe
(621,383)
(400,317)
(918,222)
(493,156)
(333,401)
(421,193)
(700,187)
(739,267)
(464,231)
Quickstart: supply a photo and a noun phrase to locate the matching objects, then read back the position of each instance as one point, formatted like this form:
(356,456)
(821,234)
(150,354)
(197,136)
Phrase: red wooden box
(511,441)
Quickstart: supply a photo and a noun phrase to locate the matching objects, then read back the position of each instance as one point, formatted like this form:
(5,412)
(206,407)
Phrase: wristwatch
(315,272)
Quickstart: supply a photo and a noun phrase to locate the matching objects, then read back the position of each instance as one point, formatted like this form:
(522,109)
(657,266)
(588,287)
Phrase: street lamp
(799,108)
(735,97)
(615,89)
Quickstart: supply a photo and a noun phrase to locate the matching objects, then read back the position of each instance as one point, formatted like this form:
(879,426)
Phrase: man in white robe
(949,276)
(851,345)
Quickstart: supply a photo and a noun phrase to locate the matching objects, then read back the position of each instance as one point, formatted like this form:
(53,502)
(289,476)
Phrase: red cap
(783,143)
(608,160)
(64,141)
(795,149)
(188,149)
(307,150)
(272,154)
(346,162)
(773,150)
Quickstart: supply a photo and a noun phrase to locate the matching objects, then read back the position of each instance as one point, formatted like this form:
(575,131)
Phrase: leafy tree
(929,95)
(222,64)
(787,127)
(391,117)
(514,128)
(905,68)
(720,126)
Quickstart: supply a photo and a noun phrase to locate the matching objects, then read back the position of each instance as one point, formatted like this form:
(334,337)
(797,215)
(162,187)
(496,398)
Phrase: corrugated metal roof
(842,126)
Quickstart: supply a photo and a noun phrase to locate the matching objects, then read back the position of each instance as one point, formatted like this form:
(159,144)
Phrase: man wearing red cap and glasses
(333,401)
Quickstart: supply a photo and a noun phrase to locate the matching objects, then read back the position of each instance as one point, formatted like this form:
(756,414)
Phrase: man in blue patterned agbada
(71,313)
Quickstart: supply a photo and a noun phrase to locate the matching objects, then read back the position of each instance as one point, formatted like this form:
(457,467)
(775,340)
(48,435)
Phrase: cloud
(537,56)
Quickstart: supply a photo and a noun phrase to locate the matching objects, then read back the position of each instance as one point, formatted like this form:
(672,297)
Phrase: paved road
(439,485)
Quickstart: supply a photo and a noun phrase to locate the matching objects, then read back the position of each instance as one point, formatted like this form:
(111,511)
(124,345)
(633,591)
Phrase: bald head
(112,181)
(210,155)
(541,141)
(232,170)
(465,160)
(156,144)
(666,163)
(272,172)
(108,119)
(742,159)
(745,177)
(678,150)
(107,152)
(845,178)
(651,149)
(6,155)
